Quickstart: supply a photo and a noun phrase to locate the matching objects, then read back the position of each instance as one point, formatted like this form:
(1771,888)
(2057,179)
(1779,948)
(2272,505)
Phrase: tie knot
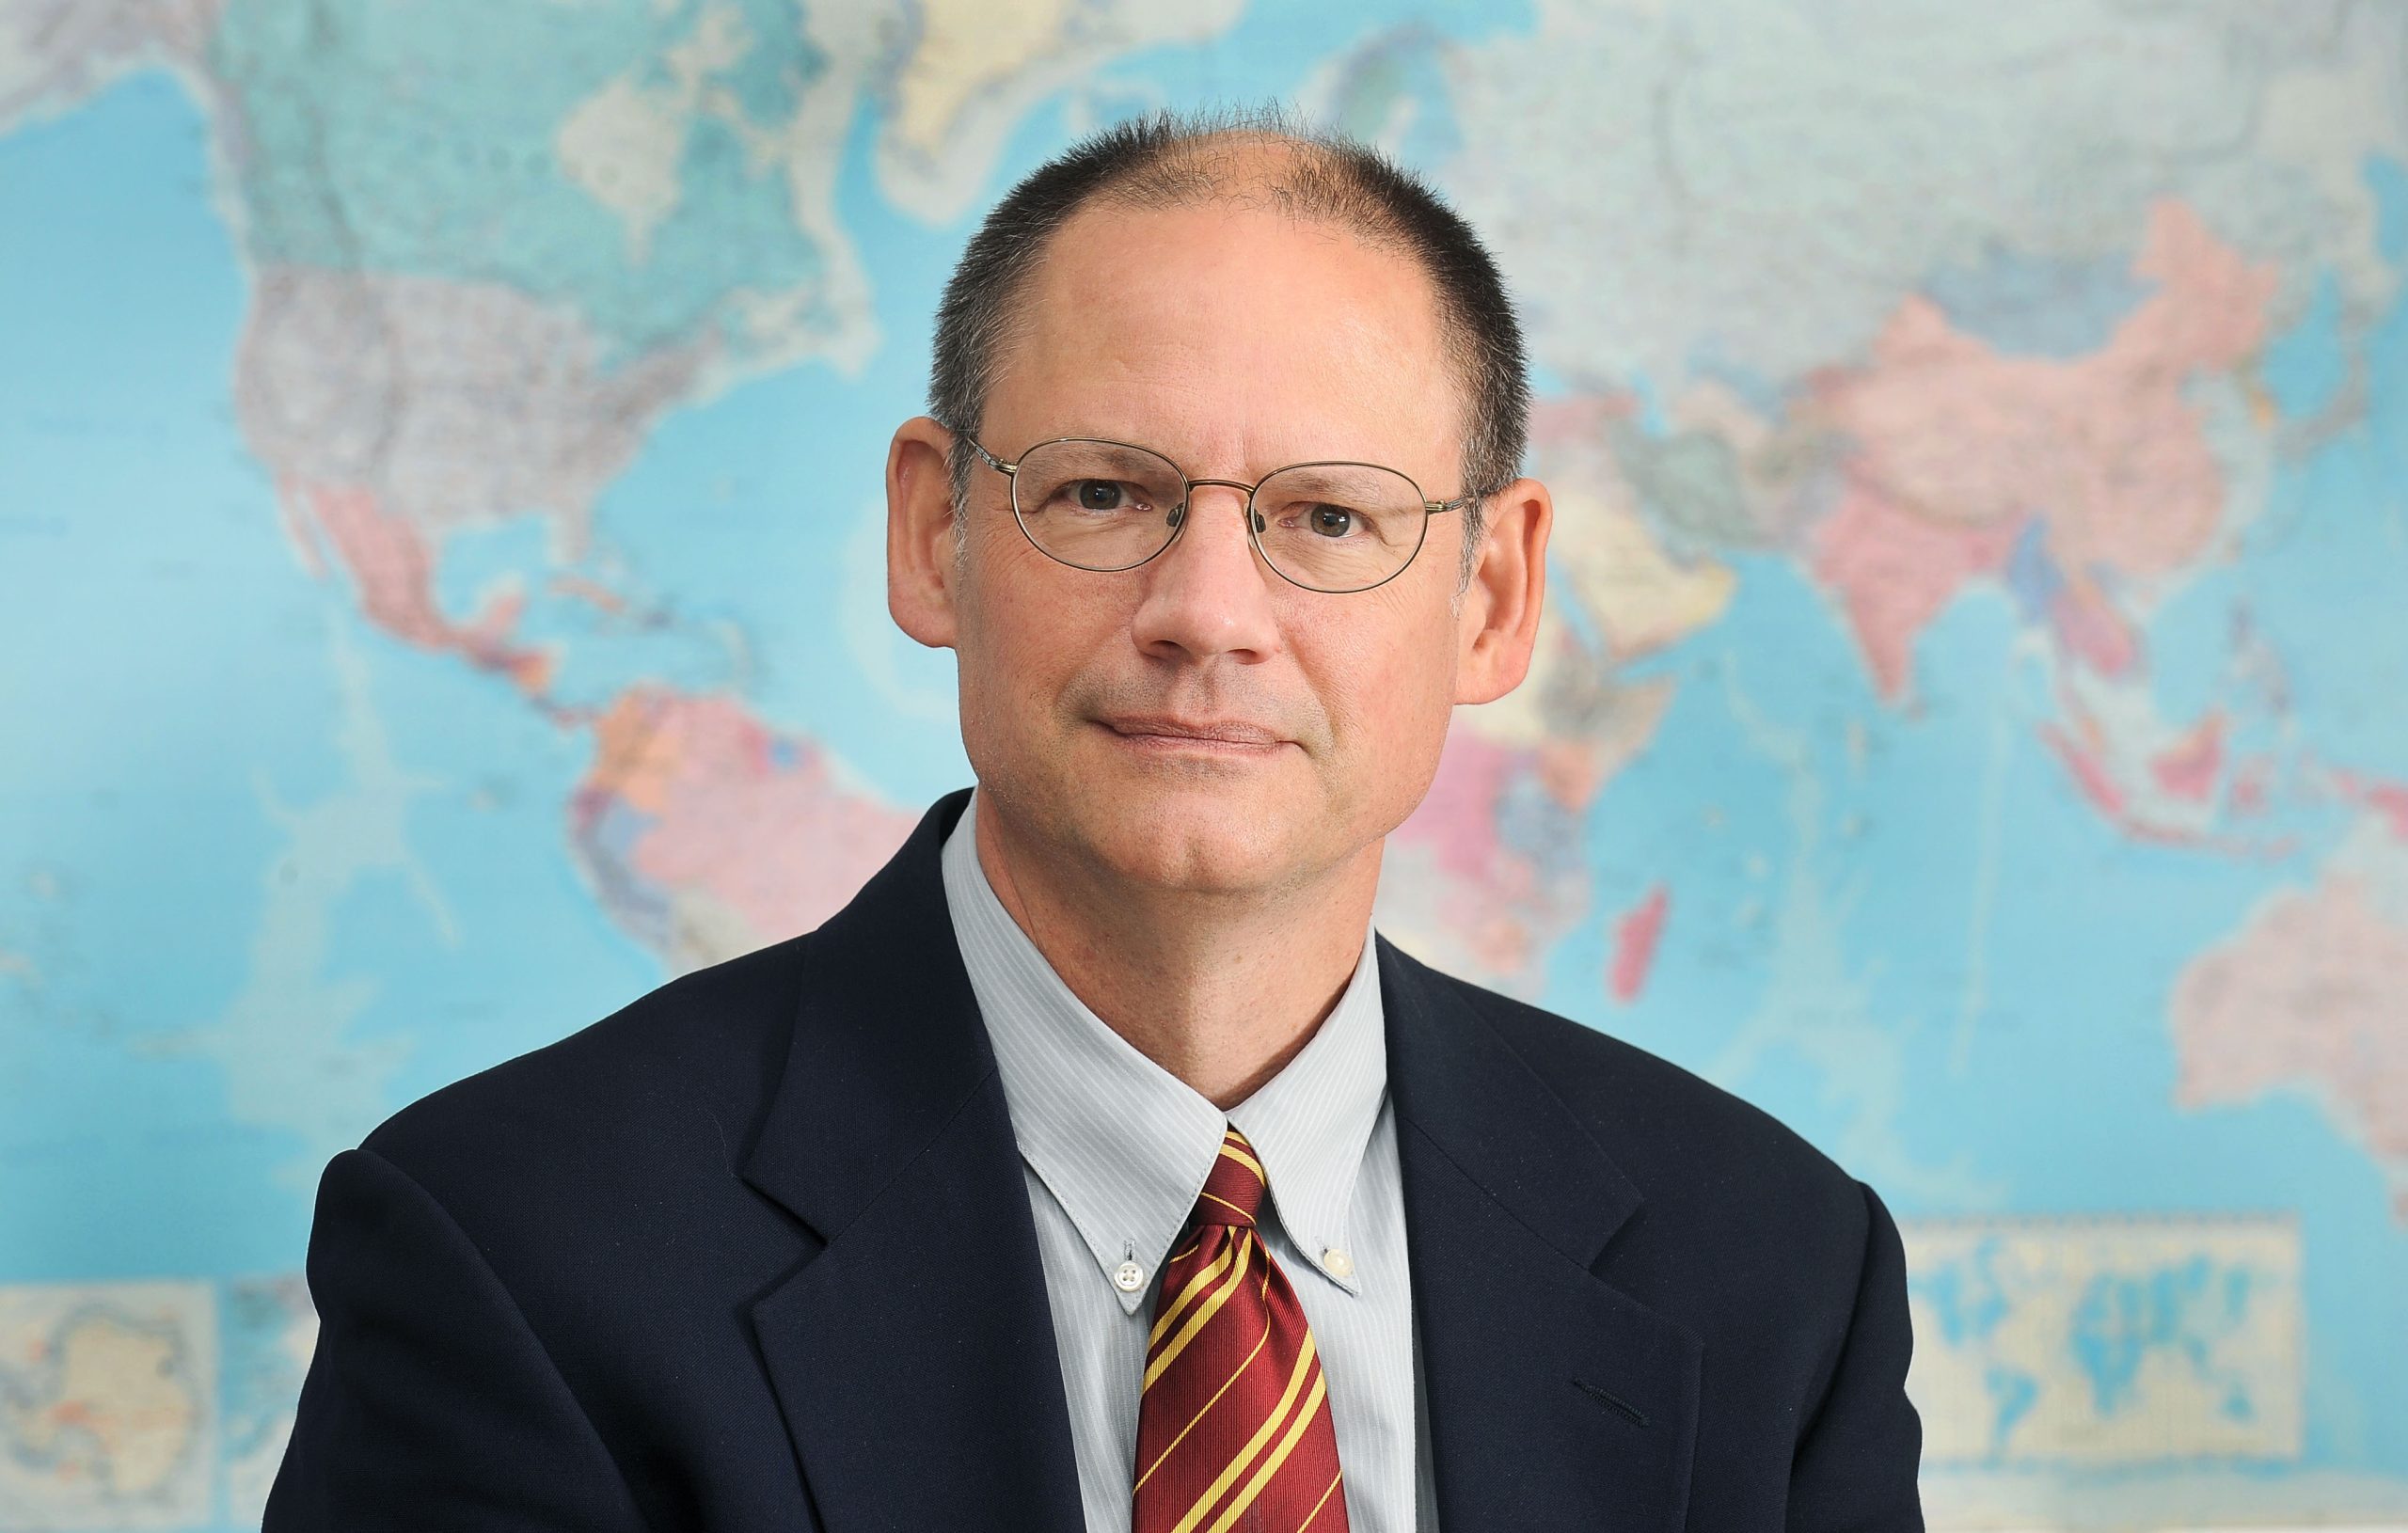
(1234,1190)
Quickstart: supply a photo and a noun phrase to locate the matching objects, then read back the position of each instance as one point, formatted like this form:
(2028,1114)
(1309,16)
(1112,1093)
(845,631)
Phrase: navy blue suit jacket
(754,1253)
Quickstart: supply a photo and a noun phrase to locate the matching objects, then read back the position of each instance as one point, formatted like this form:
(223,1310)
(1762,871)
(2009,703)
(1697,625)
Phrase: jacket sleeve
(429,1403)
(1854,1470)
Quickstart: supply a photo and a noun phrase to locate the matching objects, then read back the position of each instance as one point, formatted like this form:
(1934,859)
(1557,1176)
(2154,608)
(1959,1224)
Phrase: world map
(442,588)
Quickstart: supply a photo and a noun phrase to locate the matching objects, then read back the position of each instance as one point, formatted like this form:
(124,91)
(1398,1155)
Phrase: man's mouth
(1232,733)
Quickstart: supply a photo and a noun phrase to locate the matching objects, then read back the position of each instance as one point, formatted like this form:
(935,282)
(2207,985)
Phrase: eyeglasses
(1103,505)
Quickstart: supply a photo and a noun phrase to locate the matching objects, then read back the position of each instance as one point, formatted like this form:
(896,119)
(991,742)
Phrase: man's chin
(1199,841)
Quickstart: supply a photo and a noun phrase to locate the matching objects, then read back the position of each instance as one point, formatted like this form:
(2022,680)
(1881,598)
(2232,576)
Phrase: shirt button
(1129,1277)
(1337,1263)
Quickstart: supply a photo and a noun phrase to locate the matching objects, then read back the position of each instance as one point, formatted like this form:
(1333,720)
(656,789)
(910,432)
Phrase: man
(1099,1166)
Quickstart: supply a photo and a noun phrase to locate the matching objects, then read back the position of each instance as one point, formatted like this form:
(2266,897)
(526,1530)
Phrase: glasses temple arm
(983,456)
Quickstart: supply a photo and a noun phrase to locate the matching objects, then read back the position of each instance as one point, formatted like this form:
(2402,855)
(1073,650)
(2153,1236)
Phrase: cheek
(1022,633)
(1391,709)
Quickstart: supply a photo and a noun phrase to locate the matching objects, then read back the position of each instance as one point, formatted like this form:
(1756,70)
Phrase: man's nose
(1208,595)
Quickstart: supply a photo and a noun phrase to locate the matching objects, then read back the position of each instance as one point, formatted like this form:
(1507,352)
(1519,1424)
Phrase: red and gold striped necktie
(1233,1430)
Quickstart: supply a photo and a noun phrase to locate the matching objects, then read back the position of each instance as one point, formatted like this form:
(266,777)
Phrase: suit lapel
(913,1355)
(1555,1399)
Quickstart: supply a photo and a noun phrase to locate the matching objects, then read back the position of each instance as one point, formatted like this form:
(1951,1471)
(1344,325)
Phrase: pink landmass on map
(2388,800)
(2166,799)
(2391,801)
(2307,993)
(2090,629)
(2190,769)
(1457,818)
(392,573)
(1635,938)
(1956,445)
(2079,753)
(1895,571)
(2252,787)
(1488,871)
(385,556)
(706,806)
(1474,889)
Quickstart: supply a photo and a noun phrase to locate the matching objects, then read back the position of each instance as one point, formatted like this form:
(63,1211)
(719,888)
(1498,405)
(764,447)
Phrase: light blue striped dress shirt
(1115,1149)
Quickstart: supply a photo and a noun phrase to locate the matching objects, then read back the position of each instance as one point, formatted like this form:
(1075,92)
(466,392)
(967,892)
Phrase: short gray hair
(1171,160)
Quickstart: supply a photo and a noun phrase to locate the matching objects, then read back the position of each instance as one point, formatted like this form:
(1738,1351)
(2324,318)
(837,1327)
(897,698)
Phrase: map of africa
(440,592)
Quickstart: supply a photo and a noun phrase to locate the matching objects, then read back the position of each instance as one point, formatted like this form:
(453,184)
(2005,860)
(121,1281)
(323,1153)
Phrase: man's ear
(1497,623)
(922,580)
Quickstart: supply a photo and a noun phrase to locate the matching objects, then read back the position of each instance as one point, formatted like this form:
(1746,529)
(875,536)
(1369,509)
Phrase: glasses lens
(1099,505)
(1339,526)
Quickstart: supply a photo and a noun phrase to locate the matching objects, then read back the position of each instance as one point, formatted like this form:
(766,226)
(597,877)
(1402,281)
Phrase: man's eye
(1099,494)
(1330,521)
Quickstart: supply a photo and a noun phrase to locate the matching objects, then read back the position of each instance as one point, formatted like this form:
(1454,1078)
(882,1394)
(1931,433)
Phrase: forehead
(1241,334)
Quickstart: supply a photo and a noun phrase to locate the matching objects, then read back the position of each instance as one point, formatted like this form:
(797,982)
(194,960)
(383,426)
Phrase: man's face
(1233,342)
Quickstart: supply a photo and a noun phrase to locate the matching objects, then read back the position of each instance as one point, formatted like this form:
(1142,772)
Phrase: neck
(1219,989)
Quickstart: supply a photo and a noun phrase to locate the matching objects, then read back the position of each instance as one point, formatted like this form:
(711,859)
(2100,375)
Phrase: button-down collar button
(1337,1263)
(1129,1277)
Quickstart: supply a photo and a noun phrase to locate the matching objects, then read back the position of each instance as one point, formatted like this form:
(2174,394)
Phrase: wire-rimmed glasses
(1335,526)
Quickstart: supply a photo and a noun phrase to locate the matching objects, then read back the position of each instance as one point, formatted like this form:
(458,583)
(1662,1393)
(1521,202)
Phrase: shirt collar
(1124,1144)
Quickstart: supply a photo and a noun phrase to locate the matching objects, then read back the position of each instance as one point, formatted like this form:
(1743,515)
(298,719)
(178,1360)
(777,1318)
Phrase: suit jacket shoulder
(1682,1138)
(1743,1222)
(598,1179)
(648,1097)
(1734,1298)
